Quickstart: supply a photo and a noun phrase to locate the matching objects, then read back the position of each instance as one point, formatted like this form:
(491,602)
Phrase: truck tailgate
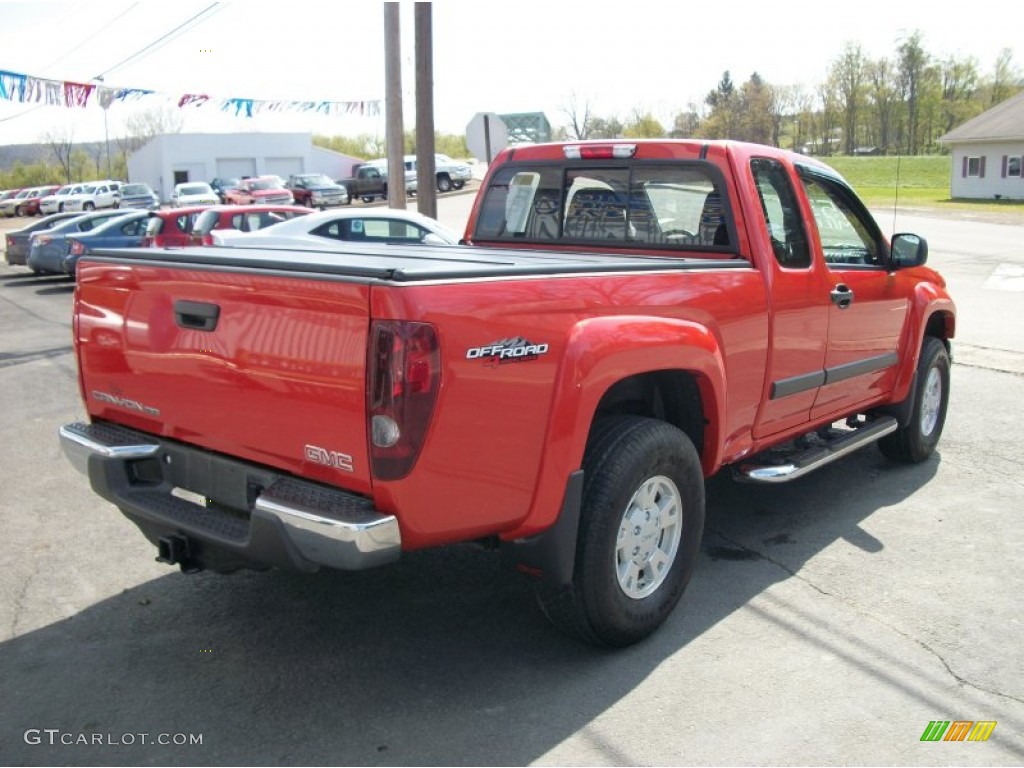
(262,366)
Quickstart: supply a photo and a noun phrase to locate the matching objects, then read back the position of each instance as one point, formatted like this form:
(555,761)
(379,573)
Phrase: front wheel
(444,183)
(917,440)
(641,522)
(88,207)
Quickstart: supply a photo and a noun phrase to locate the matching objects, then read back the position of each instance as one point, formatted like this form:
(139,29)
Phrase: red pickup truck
(627,319)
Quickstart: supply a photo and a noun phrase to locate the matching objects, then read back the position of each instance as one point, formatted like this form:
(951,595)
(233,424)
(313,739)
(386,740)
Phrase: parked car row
(24,202)
(54,244)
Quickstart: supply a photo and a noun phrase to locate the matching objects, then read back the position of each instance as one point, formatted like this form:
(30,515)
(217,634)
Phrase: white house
(172,158)
(987,153)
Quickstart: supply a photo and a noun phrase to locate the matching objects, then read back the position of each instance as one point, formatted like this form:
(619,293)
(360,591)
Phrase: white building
(988,154)
(177,157)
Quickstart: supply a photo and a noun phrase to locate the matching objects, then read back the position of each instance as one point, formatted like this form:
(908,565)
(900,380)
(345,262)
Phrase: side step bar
(817,456)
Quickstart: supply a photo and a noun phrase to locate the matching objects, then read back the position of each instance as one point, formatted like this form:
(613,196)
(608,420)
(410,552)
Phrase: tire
(458,184)
(88,207)
(444,183)
(367,198)
(631,569)
(309,203)
(916,441)
(17,212)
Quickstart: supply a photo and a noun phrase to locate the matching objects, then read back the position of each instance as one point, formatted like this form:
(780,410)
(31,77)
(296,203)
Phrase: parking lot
(829,621)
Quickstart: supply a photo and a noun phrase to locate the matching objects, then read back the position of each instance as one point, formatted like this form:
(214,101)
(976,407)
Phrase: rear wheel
(641,521)
(917,440)
(88,207)
(444,183)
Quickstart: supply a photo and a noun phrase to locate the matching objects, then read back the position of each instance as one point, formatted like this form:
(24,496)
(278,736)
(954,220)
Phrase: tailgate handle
(196,315)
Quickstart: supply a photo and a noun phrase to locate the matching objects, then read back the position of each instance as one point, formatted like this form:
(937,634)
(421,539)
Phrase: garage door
(284,166)
(235,167)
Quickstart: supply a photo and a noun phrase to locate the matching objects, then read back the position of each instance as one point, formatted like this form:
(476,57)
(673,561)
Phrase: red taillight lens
(77,249)
(404,369)
(207,239)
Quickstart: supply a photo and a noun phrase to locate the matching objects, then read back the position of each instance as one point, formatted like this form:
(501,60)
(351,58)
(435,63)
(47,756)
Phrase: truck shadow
(441,659)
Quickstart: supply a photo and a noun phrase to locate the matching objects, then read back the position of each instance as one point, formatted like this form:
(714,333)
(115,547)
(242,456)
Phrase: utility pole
(394,133)
(426,190)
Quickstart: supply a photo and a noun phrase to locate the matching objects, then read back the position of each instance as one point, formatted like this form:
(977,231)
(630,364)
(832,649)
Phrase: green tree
(643,126)
(848,73)
(912,67)
(723,103)
(756,117)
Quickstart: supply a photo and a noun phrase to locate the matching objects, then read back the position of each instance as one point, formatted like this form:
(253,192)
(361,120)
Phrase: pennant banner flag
(15,86)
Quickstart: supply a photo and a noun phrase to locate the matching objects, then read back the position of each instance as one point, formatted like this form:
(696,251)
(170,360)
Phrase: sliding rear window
(677,206)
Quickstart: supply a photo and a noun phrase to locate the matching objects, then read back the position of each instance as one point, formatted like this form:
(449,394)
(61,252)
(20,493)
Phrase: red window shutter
(981,171)
(963,171)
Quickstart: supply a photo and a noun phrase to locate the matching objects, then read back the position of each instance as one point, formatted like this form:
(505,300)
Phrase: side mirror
(908,250)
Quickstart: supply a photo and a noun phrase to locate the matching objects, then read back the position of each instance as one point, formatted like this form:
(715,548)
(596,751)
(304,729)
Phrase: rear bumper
(233,514)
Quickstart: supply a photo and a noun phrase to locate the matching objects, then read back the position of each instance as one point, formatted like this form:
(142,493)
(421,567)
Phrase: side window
(848,234)
(781,213)
(331,229)
(391,229)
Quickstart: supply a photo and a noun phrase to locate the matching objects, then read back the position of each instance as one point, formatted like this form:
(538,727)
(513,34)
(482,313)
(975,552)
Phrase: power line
(139,54)
(160,41)
(86,41)
(101,30)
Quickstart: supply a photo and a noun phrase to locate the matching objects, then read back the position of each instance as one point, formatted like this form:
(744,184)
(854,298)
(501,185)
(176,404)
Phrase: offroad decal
(517,350)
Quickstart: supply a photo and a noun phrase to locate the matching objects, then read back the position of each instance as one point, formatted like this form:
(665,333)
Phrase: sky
(508,57)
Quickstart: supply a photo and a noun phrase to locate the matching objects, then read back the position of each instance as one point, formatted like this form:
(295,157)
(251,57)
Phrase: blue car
(48,249)
(119,232)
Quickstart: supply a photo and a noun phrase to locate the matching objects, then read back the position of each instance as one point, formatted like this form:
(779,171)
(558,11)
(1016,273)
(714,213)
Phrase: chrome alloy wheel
(931,401)
(649,537)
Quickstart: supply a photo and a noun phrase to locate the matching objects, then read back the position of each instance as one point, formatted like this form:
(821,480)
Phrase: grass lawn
(923,180)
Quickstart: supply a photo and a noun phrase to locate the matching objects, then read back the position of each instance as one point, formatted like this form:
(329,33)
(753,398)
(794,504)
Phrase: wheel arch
(659,367)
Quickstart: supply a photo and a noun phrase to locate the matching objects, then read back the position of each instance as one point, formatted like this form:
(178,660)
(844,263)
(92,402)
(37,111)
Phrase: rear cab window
(670,206)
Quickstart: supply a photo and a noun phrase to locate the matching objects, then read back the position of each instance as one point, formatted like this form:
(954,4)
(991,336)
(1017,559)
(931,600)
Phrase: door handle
(196,315)
(842,296)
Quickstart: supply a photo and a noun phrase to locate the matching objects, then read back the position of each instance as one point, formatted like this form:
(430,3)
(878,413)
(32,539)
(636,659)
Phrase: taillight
(77,249)
(404,375)
(207,239)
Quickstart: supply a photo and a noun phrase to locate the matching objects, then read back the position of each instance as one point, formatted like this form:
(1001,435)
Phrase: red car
(262,190)
(244,218)
(171,228)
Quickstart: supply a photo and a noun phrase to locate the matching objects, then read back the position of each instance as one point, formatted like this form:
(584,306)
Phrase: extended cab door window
(781,213)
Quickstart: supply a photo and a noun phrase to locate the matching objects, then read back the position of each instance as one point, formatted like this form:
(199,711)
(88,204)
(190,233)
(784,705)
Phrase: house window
(974,166)
(1013,166)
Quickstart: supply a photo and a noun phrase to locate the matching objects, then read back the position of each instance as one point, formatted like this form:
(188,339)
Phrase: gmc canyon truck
(625,320)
